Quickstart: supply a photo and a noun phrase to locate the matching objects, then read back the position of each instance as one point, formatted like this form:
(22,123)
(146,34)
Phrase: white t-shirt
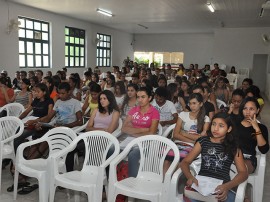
(66,111)
(120,100)
(188,124)
(166,111)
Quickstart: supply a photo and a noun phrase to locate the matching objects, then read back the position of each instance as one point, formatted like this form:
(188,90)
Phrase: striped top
(215,163)
(22,99)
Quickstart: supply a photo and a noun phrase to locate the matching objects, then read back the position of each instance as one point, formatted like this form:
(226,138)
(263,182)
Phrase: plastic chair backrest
(221,103)
(153,150)
(160,130)
(13,109)
(10,126)
(117,132)
(168,130)
(97,145)
(59,138)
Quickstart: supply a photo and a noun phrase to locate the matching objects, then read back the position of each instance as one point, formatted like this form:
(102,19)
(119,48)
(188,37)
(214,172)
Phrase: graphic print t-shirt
(66,111)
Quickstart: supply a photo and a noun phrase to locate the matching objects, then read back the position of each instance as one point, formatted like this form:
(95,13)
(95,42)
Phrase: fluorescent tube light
(210,7)
(107,13)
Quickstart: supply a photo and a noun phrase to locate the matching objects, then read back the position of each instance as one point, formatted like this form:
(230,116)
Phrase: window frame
(77,34)
(36,39)
(101,49)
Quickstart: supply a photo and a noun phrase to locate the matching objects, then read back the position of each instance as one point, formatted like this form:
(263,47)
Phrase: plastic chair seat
(142,186)
(7,149)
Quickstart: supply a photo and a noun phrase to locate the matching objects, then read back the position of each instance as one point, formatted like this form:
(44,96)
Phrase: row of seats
(12,127)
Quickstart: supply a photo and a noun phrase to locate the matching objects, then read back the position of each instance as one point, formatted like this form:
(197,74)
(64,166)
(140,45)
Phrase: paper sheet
(207,185)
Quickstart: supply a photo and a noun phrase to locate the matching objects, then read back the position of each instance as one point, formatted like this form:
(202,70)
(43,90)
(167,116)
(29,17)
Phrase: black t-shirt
(40,109)
(209,107)
(248,142)
(236,119)
(215,163)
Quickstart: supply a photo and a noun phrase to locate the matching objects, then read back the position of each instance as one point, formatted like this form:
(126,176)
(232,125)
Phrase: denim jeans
(230,197)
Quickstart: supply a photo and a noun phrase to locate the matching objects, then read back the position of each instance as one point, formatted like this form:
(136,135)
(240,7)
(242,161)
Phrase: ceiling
(160,16)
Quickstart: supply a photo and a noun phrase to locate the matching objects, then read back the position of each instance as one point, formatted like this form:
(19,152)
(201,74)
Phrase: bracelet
(256,133)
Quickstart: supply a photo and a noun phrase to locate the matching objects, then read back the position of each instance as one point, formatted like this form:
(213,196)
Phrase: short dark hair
(64,86)
(238,92)
(95,88)
(162,92)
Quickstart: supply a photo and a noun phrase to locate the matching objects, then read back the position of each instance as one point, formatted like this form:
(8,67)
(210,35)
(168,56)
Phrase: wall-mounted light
(104,12)
(210,7)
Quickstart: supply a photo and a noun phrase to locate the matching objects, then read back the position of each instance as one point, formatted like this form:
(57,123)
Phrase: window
(103,50)
(75,47)
(34,43)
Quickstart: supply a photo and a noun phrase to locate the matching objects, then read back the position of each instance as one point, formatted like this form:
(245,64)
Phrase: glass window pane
(21,47)
(100,62)
(77,61)
(30,60)
(71,51)
(66,61)
(82,61)
(100,53)
(45,36)
(82,51)
(45,48)
(67,39)
(100,37)
(71,39)
(22,61)
(22,23)
(77,51)
(66,31)
(82,41)
(101,44)
(29,24)
(105,38)
(45,27)
(108,45)
(21,33)
(38,48)
(37,26)
(29,47)
(29,34)
(108,62)
(97,52)
(38,61)
(77,40)
(45,61)
(108,53)
(71,61)
(66,50)
(104,61)
(104,53)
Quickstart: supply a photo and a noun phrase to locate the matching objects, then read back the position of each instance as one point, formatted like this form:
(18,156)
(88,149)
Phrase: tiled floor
(61,196)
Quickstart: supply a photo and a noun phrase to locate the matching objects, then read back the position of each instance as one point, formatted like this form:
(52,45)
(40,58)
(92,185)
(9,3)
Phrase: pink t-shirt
(140,120)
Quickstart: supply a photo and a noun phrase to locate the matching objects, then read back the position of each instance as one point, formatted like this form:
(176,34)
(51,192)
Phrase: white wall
(234,46)
(9,58)
(197,48)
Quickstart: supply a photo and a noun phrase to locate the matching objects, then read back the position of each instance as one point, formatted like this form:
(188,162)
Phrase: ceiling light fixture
(107,13)
(210,7)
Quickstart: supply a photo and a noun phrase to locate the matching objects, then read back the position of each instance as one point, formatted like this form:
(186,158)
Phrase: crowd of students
(144,102)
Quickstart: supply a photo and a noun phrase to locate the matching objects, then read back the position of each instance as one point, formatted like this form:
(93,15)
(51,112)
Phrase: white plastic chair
(92,176)
(257,178)
(232,78)
(220,103)
(78,129)
(176,197)
(168,130)
(160,130)
(57,139)
(13,109)
(117,132)
(149,183)
(10,128)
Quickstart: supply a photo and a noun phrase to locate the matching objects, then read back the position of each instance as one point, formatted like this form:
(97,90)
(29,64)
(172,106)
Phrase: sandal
(20,185)
(28,189)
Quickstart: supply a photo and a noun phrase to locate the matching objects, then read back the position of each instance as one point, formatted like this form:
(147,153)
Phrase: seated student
(24,96)
(130,100)
(184,94)
(142,120)
(119,93)
(221,91)
(173,91)
(254,91)
(6,93)
(246,83)
(167,110)
(105,118)
(191,125)
(91,100)
(208,106)
(250,133)
(52,88)
(218,151)
(74,83)
(237,98)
